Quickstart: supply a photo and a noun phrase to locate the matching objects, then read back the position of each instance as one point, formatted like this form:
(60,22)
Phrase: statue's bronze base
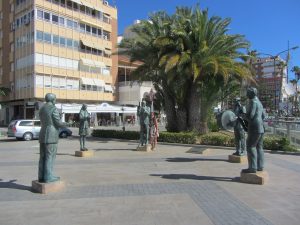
(88,153)
(45,188)
(144,148)
(260,177)
(237,159)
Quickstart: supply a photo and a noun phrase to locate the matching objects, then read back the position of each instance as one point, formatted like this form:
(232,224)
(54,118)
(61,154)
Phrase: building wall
(53,47)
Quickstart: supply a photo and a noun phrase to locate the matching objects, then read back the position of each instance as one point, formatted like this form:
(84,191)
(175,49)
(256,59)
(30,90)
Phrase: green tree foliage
(190,58)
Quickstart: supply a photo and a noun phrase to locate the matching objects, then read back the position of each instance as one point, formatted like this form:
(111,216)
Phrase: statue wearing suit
(254,116)
(144,114)
(239,132)
(48,138)
(84,118)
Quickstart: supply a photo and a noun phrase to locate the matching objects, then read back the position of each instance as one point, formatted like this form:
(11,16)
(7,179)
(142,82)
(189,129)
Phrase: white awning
(87,81)
(108,52)
(87,43)
(77,1)
(98,46)
(87,62)
(108,88)
(99,64)
(90,23)
(99,83)
(87,4)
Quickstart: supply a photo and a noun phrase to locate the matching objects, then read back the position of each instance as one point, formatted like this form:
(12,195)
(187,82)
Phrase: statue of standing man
(144,115)
(239,132)
(254,116)
(48,138)
(84,118)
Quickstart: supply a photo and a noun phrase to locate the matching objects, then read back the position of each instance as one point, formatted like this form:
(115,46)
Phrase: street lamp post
(123,118)
(274,57)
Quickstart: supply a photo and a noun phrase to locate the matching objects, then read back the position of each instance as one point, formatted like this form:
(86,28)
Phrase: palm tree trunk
(170,113)
(194,109)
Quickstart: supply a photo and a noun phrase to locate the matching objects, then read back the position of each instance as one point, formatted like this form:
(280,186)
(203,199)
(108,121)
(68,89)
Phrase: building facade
(56,46)
(270,75)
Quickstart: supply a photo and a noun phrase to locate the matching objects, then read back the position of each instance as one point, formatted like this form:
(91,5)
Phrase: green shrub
(128,135)
(217,139)
(181,137)
(277,143)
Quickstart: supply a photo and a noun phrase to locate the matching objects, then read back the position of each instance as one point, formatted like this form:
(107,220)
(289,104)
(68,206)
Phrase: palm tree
(296,70)
(199,51)
(190,57)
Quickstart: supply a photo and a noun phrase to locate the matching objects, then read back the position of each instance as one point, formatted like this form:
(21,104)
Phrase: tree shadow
(9,140)
(196,177)
(180,159)
(114,149)
(12,185)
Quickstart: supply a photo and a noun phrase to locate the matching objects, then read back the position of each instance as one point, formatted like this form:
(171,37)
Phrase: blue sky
(267,24)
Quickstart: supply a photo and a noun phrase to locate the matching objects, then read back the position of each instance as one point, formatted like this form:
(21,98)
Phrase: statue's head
(251,92)
(84,107)
(50,97)
(237,99)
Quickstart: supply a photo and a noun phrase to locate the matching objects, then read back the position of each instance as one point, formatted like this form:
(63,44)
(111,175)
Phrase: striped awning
(85,3)
(87,62)
(108,88)
(99,83)
(77,1)
(90,23)
(87,81)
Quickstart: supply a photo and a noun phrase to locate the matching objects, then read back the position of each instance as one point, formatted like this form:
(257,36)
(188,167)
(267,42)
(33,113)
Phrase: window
(37,123)
(99,32)
(82,8)
(47,37)
(75,44)
(88,29)
(69,4)
(61,21)
(70,23)
(47,81)
(26,123)
(39,80)
(69,43)
(47,16)
(75,25)
(82,28)
(62,82)
(94,31)
(40,14)
(56,39)
(62,41)
(55,19)
(55,82)
(39,35)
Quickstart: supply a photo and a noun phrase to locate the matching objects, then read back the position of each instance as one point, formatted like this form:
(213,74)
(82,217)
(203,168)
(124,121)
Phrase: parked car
(30,129)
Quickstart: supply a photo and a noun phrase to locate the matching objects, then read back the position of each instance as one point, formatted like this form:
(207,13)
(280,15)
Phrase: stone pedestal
(237,159)
(45,188)
(88,153)
(144,148)
(255,178)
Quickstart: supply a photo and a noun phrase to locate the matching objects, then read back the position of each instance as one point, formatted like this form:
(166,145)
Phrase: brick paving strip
(219,205)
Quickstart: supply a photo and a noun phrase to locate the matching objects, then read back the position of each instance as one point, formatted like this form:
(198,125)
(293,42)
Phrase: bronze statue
(144,115)
(239,132)
(84,118)
(254,116)
(48,138)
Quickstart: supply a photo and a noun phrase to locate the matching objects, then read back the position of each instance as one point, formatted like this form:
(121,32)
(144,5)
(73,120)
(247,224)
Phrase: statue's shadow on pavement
(12,185)
(196,177)
(180,159)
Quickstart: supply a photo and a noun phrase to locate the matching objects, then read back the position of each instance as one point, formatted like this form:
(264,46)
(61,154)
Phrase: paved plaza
(170,186)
